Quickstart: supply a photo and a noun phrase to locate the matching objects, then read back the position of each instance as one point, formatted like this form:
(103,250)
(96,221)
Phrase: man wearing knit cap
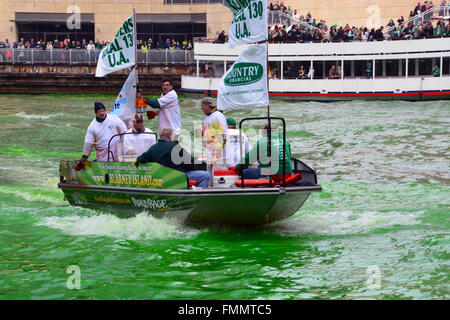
(99,132)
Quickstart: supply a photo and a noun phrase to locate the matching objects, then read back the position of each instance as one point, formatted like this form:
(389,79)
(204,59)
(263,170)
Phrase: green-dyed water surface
(383,212)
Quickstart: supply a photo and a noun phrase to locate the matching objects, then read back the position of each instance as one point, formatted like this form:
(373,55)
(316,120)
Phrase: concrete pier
(81,79)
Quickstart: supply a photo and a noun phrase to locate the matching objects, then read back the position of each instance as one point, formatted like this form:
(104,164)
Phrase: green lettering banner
(244,85)
(121,52)
(249,23)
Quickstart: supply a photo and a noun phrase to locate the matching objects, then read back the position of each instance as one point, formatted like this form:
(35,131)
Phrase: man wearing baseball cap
(98,134)
(138,138)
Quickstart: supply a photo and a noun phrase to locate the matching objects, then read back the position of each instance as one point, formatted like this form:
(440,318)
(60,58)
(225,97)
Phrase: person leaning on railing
(436,71)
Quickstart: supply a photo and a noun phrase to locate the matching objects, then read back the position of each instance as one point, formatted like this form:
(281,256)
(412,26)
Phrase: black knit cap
(98,106)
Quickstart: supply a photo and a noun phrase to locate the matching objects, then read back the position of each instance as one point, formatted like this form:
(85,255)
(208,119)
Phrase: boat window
(394,68)
(446,66)
(211,69)
(122,146)
(425,66)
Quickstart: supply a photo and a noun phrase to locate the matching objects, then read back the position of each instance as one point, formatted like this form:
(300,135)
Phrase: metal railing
(281,18)
(168,2)
(440,11)
(90,57)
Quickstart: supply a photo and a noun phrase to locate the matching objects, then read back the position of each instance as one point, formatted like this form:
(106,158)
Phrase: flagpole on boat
(135,53)
(269,129)
(267,75)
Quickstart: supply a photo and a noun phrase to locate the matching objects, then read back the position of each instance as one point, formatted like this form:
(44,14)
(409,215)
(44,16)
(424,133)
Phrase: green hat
(210,102)
(231,122)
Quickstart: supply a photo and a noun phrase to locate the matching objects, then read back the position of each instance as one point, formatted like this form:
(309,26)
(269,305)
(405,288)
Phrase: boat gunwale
(202,192)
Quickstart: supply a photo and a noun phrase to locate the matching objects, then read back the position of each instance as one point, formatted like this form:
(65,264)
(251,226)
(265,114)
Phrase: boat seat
(253,182)
(290,179)
(229,172)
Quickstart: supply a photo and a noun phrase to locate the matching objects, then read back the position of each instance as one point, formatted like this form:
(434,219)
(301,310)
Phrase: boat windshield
(127,146)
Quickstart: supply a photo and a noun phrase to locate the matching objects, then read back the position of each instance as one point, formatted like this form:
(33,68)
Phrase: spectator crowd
(297,27)
(91,45)
(419,26)
(83,51)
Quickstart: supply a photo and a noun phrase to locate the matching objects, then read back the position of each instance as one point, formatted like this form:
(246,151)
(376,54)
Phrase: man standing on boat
(138,138)
(170,154)
(99,132)
(268,165)
(168,108)
(215,130)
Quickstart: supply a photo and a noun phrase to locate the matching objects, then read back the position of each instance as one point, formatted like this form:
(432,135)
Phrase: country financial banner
(125,105)
(120,53)
(244,85)
(249,23)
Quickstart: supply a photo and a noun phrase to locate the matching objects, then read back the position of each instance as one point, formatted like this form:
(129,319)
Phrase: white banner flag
(249,23)
(120,53)
(245,83)
(125,105)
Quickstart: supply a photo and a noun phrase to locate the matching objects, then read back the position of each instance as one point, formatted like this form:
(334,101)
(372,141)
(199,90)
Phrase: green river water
(380,229)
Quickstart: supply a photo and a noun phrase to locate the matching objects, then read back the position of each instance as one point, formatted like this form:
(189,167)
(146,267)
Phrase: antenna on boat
(135,59)
(269,129)
(135,46)
(140,105)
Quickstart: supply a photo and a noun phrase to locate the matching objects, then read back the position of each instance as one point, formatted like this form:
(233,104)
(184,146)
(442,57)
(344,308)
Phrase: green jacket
(161,152)
(260,153)
(436,72)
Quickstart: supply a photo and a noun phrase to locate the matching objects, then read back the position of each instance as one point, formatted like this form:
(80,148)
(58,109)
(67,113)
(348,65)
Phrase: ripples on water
(385,172)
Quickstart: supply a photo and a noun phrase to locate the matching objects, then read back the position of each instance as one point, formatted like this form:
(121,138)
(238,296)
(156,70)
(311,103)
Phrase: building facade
(99,19)
(174,19)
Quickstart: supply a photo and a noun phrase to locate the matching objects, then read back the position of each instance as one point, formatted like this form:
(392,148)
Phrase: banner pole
(135,54)
(269,125)
(267,74)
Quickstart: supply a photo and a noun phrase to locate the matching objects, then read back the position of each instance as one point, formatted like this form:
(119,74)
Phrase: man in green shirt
(435,72)
(179,159)
(369,70)
(267,166)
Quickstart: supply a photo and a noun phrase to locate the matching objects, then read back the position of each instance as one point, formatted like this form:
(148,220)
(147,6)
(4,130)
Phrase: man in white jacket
(99,132)
(168,108)
(138,138)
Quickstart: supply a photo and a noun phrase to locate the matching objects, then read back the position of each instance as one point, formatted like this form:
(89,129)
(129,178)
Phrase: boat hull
(243,207)
(341,96)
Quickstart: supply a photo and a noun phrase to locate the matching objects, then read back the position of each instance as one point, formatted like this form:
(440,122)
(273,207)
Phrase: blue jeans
(252,173)
(202,177)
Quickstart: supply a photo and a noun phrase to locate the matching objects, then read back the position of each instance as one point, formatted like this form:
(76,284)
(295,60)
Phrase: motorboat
(120,187)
